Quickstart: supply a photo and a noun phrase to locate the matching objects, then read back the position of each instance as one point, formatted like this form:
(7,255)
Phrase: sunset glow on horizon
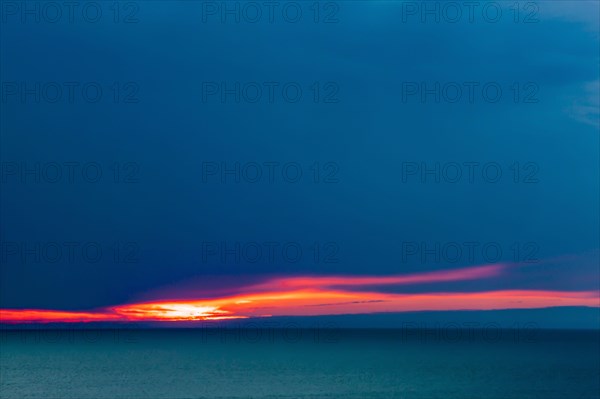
(319,296)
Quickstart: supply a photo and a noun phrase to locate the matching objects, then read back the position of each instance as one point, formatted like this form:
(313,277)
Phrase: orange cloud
(318,302)
(322,295)
(53,316)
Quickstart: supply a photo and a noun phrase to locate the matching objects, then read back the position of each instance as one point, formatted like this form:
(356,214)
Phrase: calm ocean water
(299,364)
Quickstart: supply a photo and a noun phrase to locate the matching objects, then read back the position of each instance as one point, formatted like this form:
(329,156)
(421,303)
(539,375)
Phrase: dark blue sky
(361,135)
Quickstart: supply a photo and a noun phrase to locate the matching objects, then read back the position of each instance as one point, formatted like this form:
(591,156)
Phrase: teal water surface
(298,364)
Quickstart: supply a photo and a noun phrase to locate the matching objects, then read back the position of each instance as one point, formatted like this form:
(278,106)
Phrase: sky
(177,161)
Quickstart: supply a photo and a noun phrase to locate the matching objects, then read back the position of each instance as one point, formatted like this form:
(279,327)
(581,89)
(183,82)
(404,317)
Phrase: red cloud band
(324,295)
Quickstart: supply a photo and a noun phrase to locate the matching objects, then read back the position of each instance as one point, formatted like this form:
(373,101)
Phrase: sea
(299,363)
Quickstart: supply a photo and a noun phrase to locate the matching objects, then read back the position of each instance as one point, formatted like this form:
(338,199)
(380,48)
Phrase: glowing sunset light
(321,302)
(464,274)
(52,316)
(310,303)
(318,296)
(173,312)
